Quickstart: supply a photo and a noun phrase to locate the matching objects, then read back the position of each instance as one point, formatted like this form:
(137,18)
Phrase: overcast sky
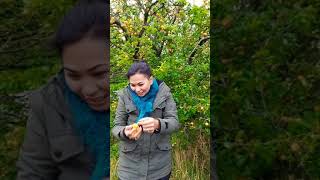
(196,2)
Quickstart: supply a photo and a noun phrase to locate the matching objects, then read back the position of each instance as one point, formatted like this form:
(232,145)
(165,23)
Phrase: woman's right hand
(133,133)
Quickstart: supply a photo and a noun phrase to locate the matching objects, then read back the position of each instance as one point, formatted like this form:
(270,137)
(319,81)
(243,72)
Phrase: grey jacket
(51,149)
(150,156)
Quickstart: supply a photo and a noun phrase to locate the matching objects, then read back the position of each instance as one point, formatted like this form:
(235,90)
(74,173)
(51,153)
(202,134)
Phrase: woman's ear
(151,79)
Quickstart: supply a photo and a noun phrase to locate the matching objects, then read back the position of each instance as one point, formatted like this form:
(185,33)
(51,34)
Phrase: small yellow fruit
(135,126)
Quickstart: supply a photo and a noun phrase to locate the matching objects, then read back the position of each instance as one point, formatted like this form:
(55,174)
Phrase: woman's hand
(133,133)
(149,124)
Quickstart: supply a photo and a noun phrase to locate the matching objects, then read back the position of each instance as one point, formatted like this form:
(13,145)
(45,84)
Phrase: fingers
(139,132)
(146,120)
(128,131)
(136,133)
(129,127)
(148,124)
(148,129)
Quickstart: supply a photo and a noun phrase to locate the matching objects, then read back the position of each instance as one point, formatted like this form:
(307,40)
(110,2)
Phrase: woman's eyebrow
(136,83)
(90,69)
(71,70)
(96,67)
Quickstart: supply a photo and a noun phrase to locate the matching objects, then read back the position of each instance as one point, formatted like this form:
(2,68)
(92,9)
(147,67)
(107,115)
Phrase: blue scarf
(145,103)
(93,127)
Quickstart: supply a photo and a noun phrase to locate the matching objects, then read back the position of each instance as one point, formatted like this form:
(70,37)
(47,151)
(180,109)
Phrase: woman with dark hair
(67,134)
(145,118)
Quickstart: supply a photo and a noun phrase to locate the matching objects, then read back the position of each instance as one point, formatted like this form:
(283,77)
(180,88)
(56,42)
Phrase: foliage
(26,30)
(172,36)
(266,89)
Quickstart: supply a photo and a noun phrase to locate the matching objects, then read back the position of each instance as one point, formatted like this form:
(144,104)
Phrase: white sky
(196,2)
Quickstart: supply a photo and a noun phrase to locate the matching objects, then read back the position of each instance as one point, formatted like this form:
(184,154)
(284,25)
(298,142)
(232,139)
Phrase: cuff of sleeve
(122,135)
(159,129)
(163,126)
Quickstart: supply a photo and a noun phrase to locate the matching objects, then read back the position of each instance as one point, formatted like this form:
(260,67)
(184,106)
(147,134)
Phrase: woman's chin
(103,107)
(141,95)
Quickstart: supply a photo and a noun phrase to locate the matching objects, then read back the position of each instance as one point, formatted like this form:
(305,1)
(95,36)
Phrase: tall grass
(191,159)
(113,168)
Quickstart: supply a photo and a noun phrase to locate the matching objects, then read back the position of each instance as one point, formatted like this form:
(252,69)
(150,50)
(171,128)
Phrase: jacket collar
(55,97)
(162,95)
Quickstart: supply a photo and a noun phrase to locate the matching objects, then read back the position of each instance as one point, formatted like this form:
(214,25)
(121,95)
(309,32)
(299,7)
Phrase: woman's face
(140,84)
(86,70)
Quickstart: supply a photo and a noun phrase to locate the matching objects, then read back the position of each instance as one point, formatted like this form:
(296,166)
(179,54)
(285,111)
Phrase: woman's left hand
(149,124)
(136,133)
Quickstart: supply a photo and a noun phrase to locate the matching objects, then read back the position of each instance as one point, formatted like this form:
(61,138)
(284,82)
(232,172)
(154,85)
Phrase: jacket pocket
(163,146)
(65,147)
(128,147)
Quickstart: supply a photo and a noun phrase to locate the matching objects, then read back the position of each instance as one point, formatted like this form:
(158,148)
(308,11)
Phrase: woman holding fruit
(145,118)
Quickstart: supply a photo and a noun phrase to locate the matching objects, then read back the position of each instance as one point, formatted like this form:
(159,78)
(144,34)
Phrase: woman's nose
(89,89)
(138,89)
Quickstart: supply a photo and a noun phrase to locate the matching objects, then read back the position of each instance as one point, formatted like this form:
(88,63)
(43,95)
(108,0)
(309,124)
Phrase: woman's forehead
(86,54)
(138,78)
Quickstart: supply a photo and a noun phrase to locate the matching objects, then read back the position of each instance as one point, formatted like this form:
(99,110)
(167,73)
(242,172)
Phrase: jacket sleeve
(34,162)
(169,123)
(120,120)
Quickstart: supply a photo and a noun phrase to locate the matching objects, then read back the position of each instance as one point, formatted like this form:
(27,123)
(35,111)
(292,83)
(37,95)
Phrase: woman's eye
(74,76)
(100,74)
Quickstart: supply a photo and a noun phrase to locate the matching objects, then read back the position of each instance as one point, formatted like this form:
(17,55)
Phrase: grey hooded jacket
(51,149)
(149,157)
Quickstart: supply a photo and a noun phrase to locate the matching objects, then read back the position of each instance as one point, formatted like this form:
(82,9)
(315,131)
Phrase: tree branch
(160,49)
(145,23)
(141,5)
(162,6)
(194,51)
(124,29)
